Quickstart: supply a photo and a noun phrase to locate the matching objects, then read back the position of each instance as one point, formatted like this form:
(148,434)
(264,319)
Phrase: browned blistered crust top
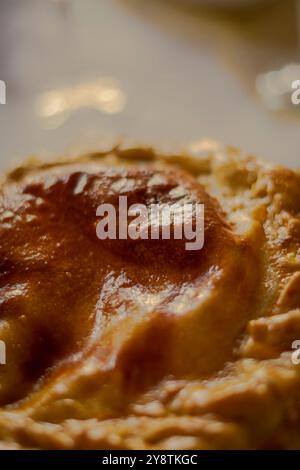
(142,344)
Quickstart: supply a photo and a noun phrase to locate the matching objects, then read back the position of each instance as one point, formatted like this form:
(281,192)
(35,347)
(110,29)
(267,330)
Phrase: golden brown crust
(141,344)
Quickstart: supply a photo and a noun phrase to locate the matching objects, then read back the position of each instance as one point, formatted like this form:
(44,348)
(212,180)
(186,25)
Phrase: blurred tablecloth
(168,74)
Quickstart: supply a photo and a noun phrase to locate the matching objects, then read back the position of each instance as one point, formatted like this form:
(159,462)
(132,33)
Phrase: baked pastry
(141,344)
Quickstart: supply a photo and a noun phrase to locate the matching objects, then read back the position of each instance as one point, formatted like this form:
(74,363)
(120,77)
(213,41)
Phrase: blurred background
(83,72)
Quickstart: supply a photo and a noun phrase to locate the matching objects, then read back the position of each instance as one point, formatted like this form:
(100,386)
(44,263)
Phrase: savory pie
(141,344)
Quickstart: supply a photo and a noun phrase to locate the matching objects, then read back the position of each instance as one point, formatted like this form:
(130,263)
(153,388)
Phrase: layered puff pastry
(139,344)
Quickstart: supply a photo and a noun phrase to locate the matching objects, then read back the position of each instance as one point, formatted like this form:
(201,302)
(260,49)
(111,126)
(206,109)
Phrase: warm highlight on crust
(142,344)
